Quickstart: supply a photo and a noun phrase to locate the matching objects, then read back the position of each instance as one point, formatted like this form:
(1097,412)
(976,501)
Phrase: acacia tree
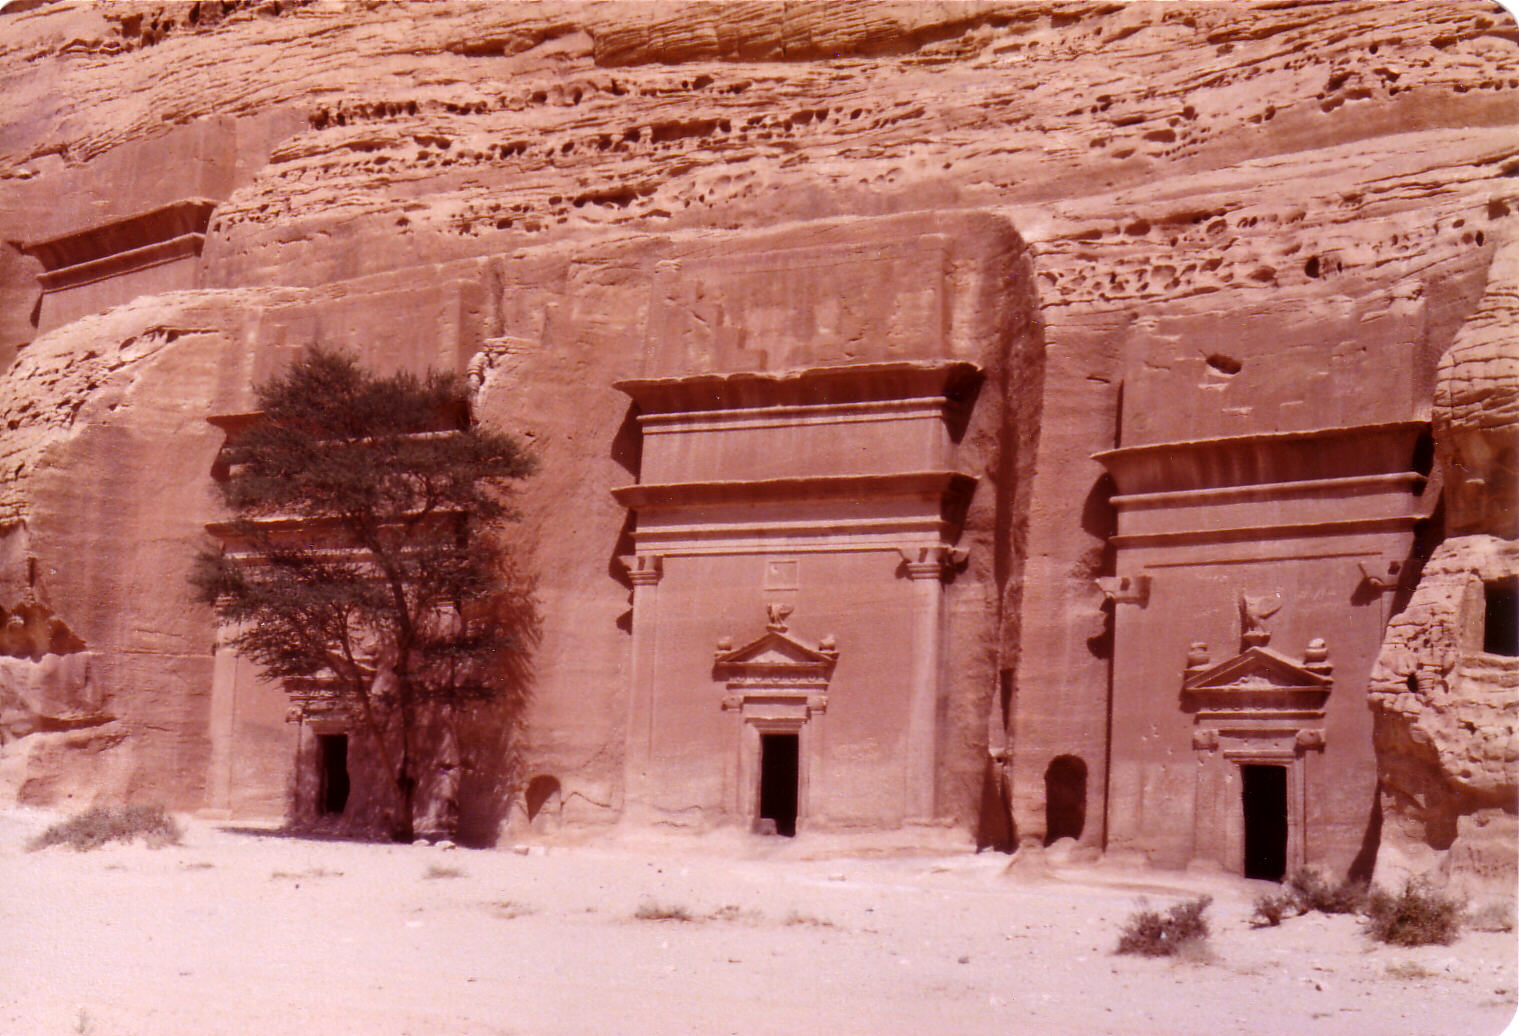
(364,508)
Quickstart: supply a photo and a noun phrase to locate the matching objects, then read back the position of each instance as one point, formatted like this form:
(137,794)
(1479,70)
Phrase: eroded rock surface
(1445,690)
(1147,223)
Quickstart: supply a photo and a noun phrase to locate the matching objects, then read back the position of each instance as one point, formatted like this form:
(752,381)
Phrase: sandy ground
(257,933)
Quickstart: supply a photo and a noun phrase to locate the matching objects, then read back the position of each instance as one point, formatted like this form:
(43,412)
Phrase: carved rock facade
(1033,400)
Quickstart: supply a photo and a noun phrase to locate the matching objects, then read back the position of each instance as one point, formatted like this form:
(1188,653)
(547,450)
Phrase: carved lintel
(1312,737)
(732,702)
(1205,739)
(817,703)
(643,569)
(932,562)
(1125,589)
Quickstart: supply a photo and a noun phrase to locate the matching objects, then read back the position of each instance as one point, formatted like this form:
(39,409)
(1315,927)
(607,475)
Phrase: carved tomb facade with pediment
(793,536)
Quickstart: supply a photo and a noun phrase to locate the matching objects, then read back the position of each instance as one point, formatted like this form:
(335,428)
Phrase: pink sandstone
(1039,392)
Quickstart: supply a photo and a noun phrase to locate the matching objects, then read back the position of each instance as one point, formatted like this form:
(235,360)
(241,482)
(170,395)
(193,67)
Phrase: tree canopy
(363,555)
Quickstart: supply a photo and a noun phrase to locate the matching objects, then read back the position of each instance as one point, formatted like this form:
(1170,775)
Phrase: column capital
(1133,589)
(934,561)
(643,569)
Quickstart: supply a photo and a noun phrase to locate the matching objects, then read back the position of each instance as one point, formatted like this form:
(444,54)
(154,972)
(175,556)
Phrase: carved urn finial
(1316,657)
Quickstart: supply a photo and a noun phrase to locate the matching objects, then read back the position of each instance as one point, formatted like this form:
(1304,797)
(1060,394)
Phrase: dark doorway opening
(1500,627)
(778,779)
(1065,798)
(332,787)
(1265,802)
(542,791)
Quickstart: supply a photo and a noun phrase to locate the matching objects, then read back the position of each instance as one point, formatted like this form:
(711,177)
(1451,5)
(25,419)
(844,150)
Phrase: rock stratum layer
(1146,223)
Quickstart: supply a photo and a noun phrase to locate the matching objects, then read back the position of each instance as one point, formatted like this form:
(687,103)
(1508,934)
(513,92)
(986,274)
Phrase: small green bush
(1271,908)
(1417,916)
(101,824)
(1150,933)
(1314,892)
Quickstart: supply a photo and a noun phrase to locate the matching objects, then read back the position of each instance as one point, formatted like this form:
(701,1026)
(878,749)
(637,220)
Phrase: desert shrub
(795,918)
(509,910)
(101,824)
(651,911)
(314,872)
(1314,892)
(1408,971)
(1150,933)
(1272,907)
(1417,916)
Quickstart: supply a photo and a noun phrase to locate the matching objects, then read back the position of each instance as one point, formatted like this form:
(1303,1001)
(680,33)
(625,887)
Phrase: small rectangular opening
(332,783)
(1500,623)
(779,756)
(1265,803)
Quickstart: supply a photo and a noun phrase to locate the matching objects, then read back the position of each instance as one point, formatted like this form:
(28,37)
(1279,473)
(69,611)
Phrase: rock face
(1445,690)
(977,383)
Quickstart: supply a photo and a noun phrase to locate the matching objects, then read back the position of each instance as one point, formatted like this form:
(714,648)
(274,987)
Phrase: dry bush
(652,911)
(1272,907)
(102,824)
(315,872)
(1417,916)
(508,910)
(1314,892)
(1150,933)
(795,918)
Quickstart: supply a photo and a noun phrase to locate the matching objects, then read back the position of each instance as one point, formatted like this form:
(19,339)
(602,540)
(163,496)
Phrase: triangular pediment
(1256,667)
(776,649)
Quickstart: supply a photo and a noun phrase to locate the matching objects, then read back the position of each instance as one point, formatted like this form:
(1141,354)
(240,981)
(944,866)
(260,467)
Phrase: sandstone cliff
(1206,220)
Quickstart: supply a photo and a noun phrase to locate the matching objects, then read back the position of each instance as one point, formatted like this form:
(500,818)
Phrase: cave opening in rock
(332,786)
(1500,624)
(1265,802)
(779,757)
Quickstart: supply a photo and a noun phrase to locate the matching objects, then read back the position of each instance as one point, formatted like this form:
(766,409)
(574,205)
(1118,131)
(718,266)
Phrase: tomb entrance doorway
(779,777)
(332,774)
(1264,798)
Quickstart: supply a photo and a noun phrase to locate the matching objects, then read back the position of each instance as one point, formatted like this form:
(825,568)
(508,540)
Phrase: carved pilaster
(927,567)
(644,572)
